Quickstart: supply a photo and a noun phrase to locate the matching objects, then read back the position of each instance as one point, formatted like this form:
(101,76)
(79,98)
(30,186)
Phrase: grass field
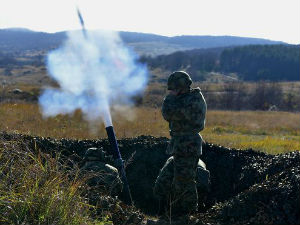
(271,132)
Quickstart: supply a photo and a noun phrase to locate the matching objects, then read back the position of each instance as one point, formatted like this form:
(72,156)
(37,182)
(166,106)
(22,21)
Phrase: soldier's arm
(171,110)
(195,111)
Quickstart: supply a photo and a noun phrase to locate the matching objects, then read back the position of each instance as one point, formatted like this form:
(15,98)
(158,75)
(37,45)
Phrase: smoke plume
(93,73)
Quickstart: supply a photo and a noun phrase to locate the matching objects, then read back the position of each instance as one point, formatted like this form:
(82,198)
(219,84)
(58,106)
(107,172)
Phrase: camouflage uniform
(102,177)
(186,116)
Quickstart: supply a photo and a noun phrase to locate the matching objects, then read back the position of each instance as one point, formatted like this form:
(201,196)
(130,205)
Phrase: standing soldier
(185,109)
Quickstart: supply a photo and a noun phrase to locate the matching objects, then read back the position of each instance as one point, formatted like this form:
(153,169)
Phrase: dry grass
(272,132)
(26,75)
(36,188)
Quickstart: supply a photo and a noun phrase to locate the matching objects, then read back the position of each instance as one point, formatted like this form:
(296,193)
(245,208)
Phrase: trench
(229,170)
(270,179)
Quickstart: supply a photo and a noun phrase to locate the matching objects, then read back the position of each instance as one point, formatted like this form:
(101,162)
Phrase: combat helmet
(179,80)
(94,154)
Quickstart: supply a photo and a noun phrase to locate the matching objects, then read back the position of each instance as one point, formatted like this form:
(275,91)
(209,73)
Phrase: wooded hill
(144,44)
(251,59)
(250,63)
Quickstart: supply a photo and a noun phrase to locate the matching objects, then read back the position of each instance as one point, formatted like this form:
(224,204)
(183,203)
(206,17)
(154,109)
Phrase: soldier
(102,177)
(185,109)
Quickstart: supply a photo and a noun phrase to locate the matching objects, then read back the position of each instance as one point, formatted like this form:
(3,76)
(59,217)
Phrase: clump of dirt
(247,187)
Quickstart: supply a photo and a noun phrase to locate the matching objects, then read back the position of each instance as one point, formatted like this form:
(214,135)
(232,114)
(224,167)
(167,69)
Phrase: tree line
(265,62)
(251,63)
(273,96)
(260,96)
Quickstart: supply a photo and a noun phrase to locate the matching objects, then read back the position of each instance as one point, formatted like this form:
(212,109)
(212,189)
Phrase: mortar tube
(119,162)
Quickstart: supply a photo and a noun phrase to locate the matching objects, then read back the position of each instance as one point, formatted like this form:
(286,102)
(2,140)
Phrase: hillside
(264,62)
(145,44)
(12,40)
(249,63)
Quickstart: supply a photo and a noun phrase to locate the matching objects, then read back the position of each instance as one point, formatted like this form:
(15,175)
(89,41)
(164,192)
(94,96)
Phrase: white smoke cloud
(94,73)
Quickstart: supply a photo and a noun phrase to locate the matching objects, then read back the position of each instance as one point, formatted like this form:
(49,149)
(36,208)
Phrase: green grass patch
(265,143)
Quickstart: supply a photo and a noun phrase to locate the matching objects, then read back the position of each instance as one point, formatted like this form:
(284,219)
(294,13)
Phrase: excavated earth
(247,187)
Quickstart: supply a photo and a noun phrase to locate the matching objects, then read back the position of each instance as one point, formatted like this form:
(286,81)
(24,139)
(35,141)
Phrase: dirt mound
(272,195)
(247,187)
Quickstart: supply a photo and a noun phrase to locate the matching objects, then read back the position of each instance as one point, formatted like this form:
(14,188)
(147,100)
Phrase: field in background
(283,96)
(271,132)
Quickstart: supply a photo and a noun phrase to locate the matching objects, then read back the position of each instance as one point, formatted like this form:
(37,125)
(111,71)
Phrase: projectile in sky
(81,22)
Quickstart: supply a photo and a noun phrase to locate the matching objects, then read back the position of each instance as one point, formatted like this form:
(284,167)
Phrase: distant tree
(7,71)
(266,95)
(240,100)
(263,62)
(194,60)
(6,60)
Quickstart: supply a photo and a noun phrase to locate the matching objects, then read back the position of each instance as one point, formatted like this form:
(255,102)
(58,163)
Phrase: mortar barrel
(119,162)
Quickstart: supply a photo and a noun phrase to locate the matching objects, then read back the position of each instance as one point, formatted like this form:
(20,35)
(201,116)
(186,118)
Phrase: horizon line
(170,36)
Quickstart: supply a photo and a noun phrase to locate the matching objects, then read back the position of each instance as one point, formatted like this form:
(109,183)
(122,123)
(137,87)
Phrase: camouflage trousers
(176,180)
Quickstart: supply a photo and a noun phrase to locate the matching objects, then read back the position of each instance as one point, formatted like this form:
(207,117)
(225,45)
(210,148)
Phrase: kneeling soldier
(102,177)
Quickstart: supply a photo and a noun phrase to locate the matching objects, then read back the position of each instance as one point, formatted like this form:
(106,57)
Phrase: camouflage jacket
(185,113)
(103,175)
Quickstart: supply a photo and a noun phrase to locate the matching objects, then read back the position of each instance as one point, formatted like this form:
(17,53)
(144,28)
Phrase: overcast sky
(270,19)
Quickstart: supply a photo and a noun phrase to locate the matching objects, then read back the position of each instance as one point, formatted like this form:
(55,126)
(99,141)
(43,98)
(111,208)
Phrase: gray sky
(270,19)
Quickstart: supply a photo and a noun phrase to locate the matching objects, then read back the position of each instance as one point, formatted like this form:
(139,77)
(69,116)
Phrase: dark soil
(247,187)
